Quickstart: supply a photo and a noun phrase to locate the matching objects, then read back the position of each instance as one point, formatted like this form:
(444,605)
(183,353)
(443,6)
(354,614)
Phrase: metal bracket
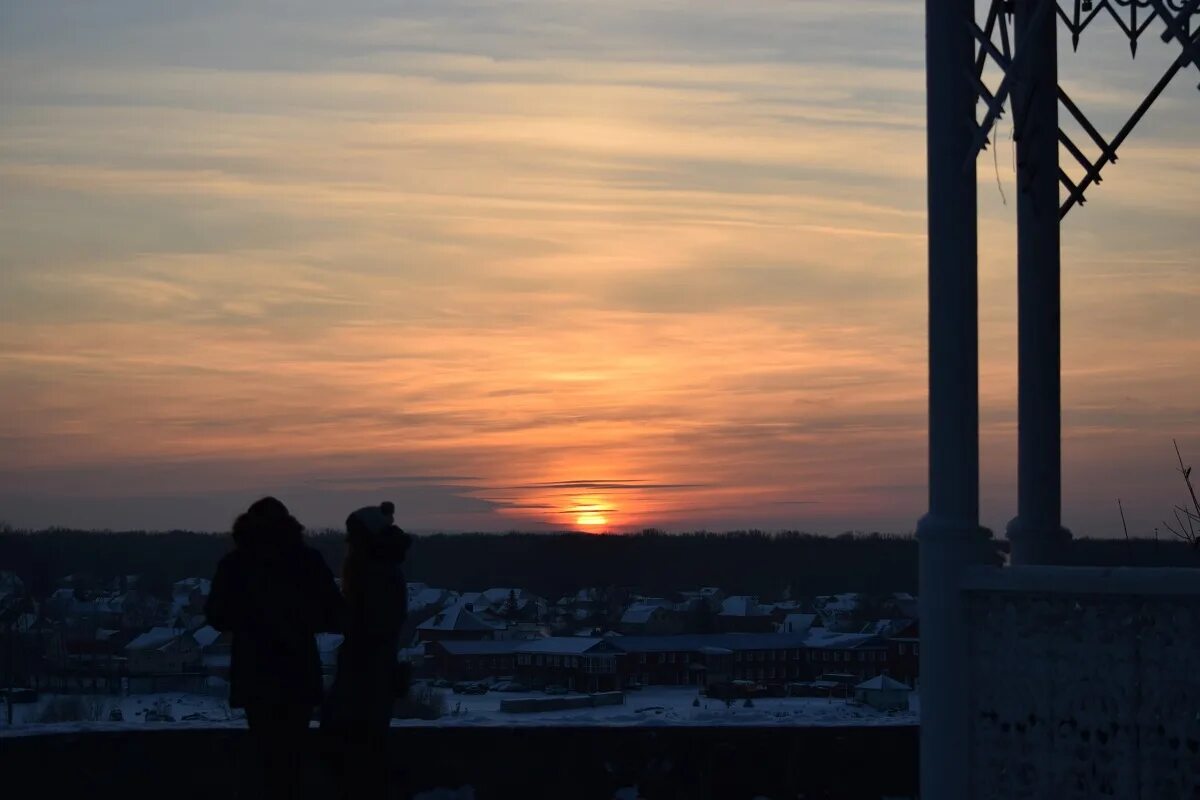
(1133,17)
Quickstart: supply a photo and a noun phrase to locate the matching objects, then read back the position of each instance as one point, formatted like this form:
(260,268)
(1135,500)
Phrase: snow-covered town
(119,654)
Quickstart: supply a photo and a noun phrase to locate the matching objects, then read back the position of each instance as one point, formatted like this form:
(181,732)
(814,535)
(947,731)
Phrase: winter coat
(274,601)
(376,596)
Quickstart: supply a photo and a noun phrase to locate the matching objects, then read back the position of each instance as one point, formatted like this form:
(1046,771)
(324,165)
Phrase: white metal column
(948,534)
(1036,533)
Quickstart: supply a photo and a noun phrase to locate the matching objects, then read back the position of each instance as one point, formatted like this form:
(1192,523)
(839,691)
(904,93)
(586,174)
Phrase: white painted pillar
(1036,533)
(949,533)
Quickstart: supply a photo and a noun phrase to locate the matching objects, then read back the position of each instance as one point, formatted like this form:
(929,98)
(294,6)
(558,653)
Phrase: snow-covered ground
(653,706)
(212,712)
(670,706)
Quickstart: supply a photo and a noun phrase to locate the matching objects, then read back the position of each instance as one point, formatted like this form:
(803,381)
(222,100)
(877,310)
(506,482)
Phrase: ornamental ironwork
(1000,43)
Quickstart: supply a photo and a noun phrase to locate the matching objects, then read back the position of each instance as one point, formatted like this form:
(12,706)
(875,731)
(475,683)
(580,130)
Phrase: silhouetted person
(274,594)
(369,678)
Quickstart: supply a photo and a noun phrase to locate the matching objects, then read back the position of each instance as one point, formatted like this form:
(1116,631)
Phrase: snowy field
(653,706)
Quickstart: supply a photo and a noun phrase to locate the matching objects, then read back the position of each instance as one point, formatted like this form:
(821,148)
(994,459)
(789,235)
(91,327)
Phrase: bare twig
(1186,532)
(1185,518)
(1128,544)
(1186,472)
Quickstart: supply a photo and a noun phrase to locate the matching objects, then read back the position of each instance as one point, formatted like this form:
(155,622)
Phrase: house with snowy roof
(708,598)
(216,650)
(901,604)
(743,614)
(651,617)
(429,597)
(590,665)
(457,623)
(206,636)
(592,600)
(883,693)
(587,607)
(839,611)
(126,610)
(10,584)
(187,599)
(162,650)
(472,660)
(859,654)
(516,604)
(58,604)
(885,627)
(191,589)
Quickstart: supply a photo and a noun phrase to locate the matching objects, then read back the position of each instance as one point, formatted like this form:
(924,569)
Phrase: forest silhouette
(552,565)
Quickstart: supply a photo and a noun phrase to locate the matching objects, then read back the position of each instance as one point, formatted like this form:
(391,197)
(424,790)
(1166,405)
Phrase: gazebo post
(949,533)
(1036,532)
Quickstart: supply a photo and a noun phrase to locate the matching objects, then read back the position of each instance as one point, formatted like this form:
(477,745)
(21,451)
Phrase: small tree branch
(1128,544)
(1186,472)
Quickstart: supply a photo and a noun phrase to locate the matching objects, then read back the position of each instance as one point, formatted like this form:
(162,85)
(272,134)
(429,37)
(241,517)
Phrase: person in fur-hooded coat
(274,593)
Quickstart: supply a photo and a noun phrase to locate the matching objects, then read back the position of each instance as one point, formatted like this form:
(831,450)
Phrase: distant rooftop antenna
(1020,38)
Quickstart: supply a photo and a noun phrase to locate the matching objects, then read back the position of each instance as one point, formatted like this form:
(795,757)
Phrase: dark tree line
(552,565)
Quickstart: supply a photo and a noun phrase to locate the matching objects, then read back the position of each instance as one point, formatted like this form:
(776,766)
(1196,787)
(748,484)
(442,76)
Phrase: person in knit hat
(369,677)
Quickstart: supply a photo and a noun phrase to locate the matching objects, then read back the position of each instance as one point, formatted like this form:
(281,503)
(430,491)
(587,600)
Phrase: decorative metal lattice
(1133,17)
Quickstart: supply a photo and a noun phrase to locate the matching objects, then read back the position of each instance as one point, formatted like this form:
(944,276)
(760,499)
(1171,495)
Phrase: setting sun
(590,512)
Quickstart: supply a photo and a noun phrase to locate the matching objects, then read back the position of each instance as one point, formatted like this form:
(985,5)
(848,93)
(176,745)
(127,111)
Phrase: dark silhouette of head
(266,526)
(371,532)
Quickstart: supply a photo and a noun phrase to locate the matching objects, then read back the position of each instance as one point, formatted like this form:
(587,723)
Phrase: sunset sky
(545,264)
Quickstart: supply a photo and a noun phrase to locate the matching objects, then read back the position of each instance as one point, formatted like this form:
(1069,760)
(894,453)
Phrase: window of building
(902,647)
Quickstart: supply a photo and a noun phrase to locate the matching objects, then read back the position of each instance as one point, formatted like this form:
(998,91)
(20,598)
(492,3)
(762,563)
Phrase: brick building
(599,664)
